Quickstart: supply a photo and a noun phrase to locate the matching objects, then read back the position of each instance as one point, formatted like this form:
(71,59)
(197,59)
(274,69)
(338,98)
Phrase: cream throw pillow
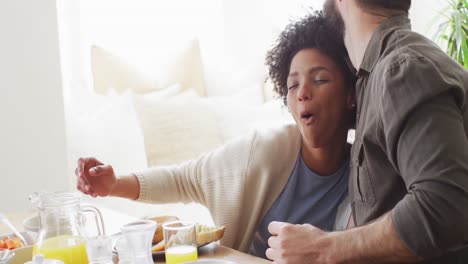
(177,129)
(112,72)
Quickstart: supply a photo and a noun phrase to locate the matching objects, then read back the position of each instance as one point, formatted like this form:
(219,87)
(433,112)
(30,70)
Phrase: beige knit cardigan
(237,182)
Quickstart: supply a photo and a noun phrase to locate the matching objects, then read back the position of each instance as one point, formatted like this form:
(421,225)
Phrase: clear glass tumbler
(181,242)
(124,253)
(138,236)
(99,250)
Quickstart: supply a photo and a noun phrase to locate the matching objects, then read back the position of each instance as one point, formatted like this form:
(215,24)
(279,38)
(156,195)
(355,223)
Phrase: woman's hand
(95,178)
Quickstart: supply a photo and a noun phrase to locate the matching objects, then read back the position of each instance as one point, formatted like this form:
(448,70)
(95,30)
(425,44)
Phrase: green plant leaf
(452,32)
(458,31)
(440,29)
(451,46)
(464,58)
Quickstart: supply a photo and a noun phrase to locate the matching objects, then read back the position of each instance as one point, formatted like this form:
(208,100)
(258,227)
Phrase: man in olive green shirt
(409,175)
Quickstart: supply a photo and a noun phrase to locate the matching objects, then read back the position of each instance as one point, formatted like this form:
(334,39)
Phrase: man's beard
(334,17)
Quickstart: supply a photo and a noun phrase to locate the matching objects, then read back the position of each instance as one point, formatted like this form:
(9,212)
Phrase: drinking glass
(181,242)
(138,236)
(123,251)
(99,250)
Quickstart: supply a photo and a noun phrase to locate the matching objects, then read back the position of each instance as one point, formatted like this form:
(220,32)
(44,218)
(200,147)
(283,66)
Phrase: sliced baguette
(160,220)
(207,234)
(159,246)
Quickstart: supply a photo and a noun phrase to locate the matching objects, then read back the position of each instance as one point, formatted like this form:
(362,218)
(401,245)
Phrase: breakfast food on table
(159,246)
(158,234)
(10,243)
(205,234)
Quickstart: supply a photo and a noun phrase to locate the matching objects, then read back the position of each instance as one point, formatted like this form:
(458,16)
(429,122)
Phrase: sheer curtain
(233,36)
(232,33)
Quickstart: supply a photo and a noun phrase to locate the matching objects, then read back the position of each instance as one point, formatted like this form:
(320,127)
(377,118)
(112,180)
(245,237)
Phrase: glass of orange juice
(181,242)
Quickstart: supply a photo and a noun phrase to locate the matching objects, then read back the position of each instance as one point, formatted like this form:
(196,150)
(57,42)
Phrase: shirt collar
(378,41)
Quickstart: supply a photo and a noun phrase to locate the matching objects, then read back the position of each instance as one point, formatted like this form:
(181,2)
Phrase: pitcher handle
(97,217)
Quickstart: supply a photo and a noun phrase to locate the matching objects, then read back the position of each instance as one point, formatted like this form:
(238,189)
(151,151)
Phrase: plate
(162,252)
(211,261)
(158,254)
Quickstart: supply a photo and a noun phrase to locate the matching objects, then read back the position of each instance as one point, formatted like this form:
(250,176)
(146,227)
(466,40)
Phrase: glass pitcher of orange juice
(61,235)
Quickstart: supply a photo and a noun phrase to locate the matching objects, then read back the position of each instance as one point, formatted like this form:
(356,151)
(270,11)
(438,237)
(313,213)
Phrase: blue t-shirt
(306,198)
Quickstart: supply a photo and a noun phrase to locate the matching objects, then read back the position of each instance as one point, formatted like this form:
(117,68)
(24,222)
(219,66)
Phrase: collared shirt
(410,154)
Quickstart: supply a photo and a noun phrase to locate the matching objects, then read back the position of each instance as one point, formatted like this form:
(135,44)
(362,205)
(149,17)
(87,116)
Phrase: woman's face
(317,98)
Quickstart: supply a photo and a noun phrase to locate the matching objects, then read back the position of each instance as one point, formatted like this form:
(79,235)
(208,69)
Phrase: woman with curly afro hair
(296,173)
(308,67)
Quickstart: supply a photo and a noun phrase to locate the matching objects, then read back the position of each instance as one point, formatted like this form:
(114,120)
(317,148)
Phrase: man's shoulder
(412,59)
(406,49)
(411,72)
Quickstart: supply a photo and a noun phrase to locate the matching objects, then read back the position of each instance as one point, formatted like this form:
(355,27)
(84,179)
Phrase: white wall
(424,14)
(32,132)
(249,29)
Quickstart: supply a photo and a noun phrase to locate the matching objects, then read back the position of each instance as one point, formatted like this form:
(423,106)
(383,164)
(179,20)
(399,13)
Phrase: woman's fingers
(87,168)
(83,167)
(82,186)
(79,188)
(101,170)
(84,164)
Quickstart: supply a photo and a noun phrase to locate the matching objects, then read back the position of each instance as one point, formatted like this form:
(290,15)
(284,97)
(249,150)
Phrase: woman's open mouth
(308,117)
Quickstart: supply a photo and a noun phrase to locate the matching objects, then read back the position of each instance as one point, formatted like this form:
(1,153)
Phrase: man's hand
(298,244)
(377,242)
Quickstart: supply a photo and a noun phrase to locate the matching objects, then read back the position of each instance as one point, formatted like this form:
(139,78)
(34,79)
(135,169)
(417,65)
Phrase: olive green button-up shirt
(410,154)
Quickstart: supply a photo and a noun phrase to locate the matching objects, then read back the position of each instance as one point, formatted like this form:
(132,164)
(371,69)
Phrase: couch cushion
(177,129)
(112,72)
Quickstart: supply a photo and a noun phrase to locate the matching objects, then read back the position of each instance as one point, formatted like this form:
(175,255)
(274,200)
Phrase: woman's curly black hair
(312,31)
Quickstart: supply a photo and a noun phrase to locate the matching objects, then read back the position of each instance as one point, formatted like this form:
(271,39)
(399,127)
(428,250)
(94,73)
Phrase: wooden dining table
(113,220)
(216,251)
